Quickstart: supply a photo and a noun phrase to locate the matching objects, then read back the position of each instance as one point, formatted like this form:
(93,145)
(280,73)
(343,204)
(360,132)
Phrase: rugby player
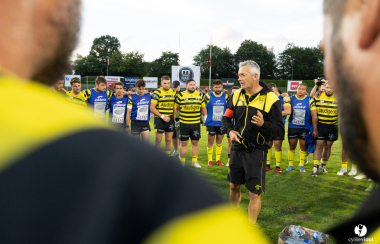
(343,170)
(138,112)
(216,106)
(118,107)
(58,86)
(90,193)
(326,132)
(76,96)
(98,97)
(190,105)
(162,107)
(303,115)
(257,115)
(233,90)
(177,88)
(285,107)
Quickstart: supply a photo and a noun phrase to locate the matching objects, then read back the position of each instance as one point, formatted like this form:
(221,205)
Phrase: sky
(186,26)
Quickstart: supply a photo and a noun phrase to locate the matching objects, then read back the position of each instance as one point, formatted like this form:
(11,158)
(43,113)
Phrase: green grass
(317,203)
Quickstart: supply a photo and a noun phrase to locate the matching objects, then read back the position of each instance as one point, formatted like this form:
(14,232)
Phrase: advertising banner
(292,85)
(111,80)
(228,81)
(68,78)
(130,81)
(151,82)
(183,73)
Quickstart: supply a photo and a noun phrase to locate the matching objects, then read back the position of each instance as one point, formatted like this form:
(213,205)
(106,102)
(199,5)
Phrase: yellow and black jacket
(242,108)
(66,178)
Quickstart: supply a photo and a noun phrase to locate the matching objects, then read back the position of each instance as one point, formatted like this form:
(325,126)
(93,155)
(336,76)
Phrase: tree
(222,63)
(163,65)
(103,47)
(307,62)
(128,64)
(263,56)
(87,66)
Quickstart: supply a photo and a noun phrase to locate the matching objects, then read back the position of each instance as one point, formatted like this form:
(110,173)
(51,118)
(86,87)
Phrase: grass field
(291,197)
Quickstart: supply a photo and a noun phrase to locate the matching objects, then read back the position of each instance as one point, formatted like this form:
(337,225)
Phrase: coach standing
(256,112)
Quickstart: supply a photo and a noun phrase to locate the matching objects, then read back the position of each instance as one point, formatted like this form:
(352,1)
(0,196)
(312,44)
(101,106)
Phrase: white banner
(112,80)
(293,85)
(68,78)
(183,73)
(151,82)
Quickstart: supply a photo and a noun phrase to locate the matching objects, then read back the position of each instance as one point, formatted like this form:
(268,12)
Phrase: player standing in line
(233,89)
(285,107)
(216,107)
(162,107)
(58,86)
(139,112)
(118,107)
(76,96)
(175,139)
(98,97)
(190,104)
(303,115)
(327,131)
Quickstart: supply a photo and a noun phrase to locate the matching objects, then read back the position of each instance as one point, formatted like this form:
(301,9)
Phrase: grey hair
(254,68)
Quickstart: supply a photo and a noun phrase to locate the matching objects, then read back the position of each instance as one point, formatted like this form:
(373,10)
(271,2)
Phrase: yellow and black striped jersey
(165,101)
(79,100)
(327,109)
(189,106)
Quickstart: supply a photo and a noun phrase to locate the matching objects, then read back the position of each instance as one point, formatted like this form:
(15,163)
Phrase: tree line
(307,61)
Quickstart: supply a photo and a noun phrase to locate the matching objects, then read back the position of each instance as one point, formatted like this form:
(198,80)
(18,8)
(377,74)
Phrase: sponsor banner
(130,81)
(68,78)
(292,85)
(151,82)
(183,73)
(228,81)
(111,80)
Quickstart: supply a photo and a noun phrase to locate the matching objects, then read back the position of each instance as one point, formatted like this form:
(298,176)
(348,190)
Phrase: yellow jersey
(79,100)
(327,109)
(189,106)
(164,100)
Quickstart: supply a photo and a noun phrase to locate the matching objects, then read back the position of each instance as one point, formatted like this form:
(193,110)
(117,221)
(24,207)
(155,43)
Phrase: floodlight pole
(209,82)
(107,65)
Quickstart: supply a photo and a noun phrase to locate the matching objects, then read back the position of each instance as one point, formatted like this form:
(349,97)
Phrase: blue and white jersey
(300,118)
(216,107)
(118,108)
(98,101)
(140,106)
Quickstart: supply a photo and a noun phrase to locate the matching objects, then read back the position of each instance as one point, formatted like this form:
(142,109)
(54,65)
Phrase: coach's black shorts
(249,169)
(327,132)
(139,126)
(160,126)
(215,130)
(294,133)
(280,138)
(192,131)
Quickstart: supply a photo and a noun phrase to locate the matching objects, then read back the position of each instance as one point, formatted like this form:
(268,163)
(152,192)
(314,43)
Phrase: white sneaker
(342,171)
(228,164)
(175,153)
(196,165)
(370,180)
(353,172)
(361,176)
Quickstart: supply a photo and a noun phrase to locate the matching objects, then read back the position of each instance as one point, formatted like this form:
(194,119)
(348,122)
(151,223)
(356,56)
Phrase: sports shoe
(219,163)
(175,153)
(228,164)
(289,168)
(361,176)
(196,165)
(370,180)
(323,169)
(209,164)
(268,167)
(302,169)
(353,172)
(342,171)
(278,171)
(315,172)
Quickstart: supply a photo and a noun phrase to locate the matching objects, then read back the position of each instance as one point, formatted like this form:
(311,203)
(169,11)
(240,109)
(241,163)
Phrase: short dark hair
(165,77)
(140,83)
(189,80)
(217,82)
(235,88)
(100,79)
(303,84)
(74,80)
(271,85)
(119,84)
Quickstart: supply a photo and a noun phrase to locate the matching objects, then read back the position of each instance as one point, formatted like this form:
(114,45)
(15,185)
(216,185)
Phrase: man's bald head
(38,37)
